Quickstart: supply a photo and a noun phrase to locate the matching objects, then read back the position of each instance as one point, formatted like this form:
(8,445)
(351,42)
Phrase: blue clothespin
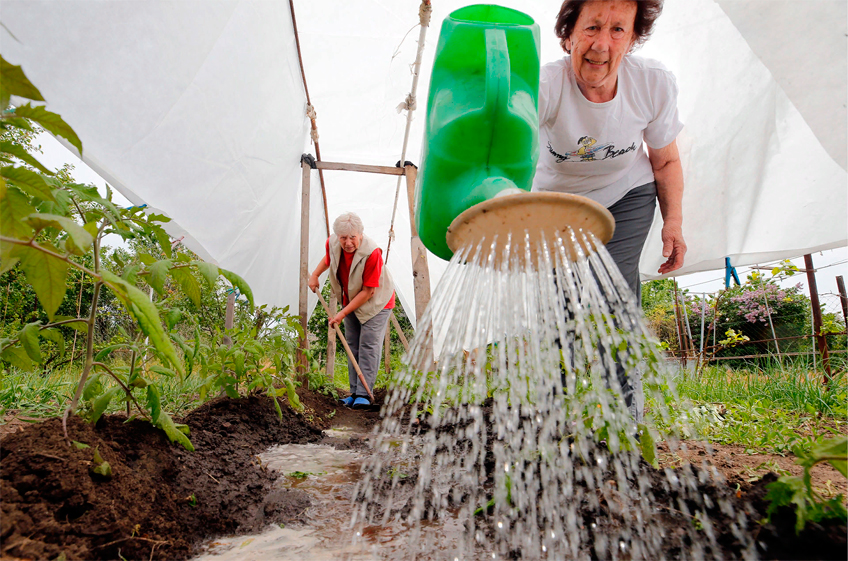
(730,270)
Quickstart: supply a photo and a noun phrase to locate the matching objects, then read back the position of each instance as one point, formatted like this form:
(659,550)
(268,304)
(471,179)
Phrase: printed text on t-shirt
(590,151)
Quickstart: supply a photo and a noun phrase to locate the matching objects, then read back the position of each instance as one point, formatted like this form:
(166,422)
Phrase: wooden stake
(400,332)
(228,317)
(387,349)
(331,340)
(303,310)
(420,269)
(350,356)
(840,284)
(817,317)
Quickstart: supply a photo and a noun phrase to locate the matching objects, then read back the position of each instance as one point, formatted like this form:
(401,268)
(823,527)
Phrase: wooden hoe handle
(346,346)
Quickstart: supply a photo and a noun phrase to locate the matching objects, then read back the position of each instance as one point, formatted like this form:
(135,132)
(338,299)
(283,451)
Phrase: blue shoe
(348,401)
(361,403)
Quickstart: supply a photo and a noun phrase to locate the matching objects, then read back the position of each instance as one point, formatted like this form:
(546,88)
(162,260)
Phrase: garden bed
(162,502)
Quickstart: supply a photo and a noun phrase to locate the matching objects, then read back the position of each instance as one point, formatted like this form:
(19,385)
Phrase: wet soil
(163,502)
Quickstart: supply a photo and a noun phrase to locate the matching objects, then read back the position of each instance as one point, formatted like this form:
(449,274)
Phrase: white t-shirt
(596,149)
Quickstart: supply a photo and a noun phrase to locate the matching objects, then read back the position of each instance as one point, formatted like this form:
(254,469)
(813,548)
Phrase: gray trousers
(366,343)
(633,214)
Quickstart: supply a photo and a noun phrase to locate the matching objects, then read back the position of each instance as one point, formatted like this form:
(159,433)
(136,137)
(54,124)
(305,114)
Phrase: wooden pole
(680,334)
(229,316)
(331,340)
(387,349)
(303,310)
(817,317)
(350,356)
(400,332)
(420,269)
(840,284)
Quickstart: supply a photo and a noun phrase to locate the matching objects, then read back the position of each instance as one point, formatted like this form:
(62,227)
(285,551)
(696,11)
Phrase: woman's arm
(364,295)
(319,270)
(668,173)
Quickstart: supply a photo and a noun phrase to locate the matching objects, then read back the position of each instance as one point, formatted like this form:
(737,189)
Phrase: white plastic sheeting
(197,109)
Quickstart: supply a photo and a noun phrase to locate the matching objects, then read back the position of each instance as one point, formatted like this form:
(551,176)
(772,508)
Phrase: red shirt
(370,275)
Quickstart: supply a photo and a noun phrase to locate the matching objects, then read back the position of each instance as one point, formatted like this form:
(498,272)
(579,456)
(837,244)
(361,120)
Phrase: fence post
(331,341)
(817,317)
(307,163)
(840,284)
(680,333)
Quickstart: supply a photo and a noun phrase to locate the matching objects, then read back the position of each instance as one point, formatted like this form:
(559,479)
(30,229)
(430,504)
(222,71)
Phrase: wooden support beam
(331,341)
(843,298)
(387,349)
(386,170)
(303,310)
(420,269)
(400,332)
(817,317)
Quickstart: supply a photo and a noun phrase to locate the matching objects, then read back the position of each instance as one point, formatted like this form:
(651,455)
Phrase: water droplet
(500,525)
(553,536)
(544,548)
(506,468)
(622,546)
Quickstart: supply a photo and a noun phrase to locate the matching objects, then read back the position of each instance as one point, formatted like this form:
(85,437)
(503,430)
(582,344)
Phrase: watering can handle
(497,72)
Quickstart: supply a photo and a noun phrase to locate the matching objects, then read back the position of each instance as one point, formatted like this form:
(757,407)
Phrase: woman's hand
(337,319)
(313,282)
(674,248)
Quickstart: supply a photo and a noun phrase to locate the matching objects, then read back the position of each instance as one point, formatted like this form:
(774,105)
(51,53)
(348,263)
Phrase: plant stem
(89,345)
(124,386)
(34,245)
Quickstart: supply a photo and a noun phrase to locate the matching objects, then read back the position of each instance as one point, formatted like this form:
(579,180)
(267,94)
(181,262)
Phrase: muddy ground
(163,502)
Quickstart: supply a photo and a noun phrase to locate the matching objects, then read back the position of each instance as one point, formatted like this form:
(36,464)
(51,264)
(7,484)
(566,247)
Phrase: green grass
(42,395)
(770,411)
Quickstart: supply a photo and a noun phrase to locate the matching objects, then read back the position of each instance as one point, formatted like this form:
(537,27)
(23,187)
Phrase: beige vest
(382,294)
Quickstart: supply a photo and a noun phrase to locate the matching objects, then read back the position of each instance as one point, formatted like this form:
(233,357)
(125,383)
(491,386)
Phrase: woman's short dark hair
(647,12)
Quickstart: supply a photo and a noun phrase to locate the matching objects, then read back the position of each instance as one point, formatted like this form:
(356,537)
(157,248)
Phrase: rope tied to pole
(409,104)
(312,114)
(424,13)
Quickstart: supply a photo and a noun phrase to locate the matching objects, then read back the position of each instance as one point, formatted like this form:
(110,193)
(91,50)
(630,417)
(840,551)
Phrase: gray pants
(366,343)
(633,215)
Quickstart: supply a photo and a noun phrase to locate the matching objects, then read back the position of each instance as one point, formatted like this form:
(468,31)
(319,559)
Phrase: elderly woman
(598,107)
(367,295)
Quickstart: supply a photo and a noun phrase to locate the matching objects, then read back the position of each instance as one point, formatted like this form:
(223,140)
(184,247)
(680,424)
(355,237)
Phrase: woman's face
(602,36)
(350,243)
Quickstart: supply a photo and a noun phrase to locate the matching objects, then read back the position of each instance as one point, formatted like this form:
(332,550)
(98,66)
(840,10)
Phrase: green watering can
(481,139)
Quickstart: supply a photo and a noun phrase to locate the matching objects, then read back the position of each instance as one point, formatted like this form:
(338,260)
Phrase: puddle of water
(340,432)
(329,475)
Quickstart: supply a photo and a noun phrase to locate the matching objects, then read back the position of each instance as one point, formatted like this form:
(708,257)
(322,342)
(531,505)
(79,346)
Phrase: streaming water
(521,405)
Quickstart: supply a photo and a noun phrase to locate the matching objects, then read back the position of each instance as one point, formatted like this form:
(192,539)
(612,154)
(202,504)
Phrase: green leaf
(146,258)
(13,81)
(92,386)
(146,314)
(82,239)
(163,371)
(51,122)
(647,445)
(158,273)
(835,451)
(277,406)
(294,399)
(14,206)
(172,318)
(61,205)
(239,283)
(20,153)
(80,445)
(154,402)
(238,363)
(45,273)
(253,346)
(78,325)
(54,335)
(130,273)
(98,459)
(17,357)
(106,351)
(100,403)
(174,434)
(29,340)
(91,194)
(188,283)
(209,272)
(162,237)
(103,469)
(28,181)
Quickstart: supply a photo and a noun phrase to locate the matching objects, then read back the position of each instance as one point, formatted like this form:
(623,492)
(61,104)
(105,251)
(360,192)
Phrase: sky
(828,264)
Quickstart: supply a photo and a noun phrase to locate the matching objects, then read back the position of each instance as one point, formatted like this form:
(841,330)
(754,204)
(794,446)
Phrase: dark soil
(162,502)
